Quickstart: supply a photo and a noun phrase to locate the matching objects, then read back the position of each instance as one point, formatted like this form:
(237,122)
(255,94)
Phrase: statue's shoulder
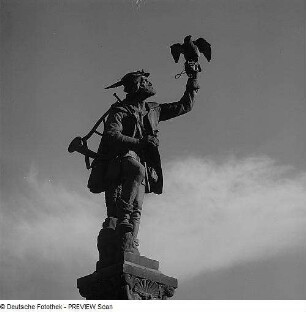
(119,107)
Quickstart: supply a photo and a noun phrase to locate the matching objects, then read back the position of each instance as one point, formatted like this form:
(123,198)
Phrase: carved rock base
(134,278)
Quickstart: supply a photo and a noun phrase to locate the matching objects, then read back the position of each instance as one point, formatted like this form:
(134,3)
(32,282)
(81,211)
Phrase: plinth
(134,278)
(121,272)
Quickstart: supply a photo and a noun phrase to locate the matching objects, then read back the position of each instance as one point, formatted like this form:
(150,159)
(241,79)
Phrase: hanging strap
(95,127)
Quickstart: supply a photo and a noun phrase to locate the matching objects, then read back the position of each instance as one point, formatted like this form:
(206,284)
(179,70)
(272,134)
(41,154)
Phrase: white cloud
(211,215)
(48,240)
(214,215)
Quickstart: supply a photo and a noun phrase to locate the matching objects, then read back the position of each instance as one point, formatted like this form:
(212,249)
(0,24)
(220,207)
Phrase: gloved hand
(149,141)
(192,69)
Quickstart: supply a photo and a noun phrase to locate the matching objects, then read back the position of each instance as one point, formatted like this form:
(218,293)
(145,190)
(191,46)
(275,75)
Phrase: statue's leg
(111,196)
(133,174)
(107,241)
(136,214)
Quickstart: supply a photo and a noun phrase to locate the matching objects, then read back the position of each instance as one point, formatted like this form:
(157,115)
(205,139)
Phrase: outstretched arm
(184,105)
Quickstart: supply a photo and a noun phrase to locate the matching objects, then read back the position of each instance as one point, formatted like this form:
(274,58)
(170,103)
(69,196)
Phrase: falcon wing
(176,50)
(204,47)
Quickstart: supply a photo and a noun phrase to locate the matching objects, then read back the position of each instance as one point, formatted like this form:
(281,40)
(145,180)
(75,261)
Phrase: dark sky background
(234,199)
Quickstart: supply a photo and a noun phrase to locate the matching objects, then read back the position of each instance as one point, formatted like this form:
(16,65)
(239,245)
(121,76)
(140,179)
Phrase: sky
(234,200)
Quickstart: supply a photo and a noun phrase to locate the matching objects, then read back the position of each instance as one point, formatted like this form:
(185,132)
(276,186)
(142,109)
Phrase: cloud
(48,240)
(214,215)
(211,215)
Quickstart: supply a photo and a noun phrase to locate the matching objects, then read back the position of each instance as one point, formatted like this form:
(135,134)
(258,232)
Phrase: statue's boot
(125,229)
(124,211)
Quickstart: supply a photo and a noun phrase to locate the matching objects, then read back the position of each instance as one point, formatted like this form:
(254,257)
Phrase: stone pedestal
(134,277)
(121,273)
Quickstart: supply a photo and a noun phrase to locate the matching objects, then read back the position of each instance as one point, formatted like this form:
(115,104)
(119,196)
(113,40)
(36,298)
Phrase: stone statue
(126,166)
(128,163)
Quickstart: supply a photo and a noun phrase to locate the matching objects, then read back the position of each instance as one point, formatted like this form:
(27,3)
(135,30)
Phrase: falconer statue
(127,164)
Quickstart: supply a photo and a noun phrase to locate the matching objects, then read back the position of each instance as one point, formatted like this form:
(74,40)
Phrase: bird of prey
(191,49)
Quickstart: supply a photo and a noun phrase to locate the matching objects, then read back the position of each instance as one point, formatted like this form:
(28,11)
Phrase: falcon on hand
(191,51)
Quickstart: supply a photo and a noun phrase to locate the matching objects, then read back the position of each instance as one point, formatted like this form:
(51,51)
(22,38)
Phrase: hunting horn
(79,144)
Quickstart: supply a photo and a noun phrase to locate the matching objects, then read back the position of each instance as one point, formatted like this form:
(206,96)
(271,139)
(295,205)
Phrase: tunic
(126,125)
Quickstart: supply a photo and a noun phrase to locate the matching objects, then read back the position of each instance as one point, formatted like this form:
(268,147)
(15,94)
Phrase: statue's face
(145,88)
